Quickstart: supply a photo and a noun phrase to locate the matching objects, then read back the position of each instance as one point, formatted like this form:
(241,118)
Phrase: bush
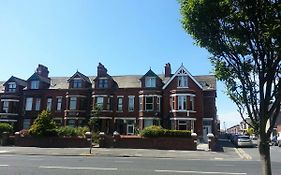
(5,127)
(43,126)
(72,132)
(157,131)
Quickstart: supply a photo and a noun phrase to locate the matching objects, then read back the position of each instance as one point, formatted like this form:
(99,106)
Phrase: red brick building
(176,101)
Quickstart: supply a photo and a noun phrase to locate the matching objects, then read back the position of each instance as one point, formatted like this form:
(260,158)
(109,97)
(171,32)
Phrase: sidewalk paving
(201,153)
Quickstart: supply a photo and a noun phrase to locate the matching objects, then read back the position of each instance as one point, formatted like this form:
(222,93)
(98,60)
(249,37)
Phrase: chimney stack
(102,71)
(168,70)
(42,70)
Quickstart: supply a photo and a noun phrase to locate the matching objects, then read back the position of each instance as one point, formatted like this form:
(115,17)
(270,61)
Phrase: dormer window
(12,87)
(150,81)
(77,83)
(34,84)
(103,83)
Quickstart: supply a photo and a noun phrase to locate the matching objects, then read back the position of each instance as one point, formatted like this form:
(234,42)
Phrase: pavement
(201,153)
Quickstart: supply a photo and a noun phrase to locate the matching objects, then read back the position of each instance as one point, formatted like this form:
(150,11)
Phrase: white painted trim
(102,118)
(10,114)
(151,118)
(99,95)
(7,120)
(183,118)
(176,74)
(74,118)
(190,111)
(150,95)
(82,96)
(186,94)
(12,100)
(125,118)
(208,119)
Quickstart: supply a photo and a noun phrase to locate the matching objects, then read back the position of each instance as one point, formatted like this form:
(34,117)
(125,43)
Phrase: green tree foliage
(43,125)
(94,122)
(158,131)
(5,127)
(243,37)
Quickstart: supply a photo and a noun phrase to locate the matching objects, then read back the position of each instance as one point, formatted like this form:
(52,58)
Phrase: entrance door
(206,129)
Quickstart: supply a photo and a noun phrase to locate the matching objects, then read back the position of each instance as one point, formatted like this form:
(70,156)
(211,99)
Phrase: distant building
(176,101)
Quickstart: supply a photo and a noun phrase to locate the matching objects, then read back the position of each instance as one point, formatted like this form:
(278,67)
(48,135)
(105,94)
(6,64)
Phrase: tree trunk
(264,150)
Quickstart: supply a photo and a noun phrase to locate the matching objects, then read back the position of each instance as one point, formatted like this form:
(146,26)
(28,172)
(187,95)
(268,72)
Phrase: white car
(279,139)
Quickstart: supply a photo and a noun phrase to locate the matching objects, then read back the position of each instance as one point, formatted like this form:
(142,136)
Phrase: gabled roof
(18,81)
(84,77)
(188,74)
(36,76)
(149,73)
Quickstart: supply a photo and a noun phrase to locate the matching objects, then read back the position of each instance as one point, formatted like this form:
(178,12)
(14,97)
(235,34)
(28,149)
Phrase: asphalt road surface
(83,165)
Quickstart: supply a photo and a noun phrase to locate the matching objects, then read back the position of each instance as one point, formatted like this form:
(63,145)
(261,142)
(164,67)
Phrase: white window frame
(150,81)
(72,103)
(147,122)
(182,102)
(158,104)
(99,101)
(152,103)
(192,103)
(34,84)
(119,103)
(37,104)
(5,106)
(28,103)
(12,86)
(49,104)
(131,103)
(59,103)
(103,83)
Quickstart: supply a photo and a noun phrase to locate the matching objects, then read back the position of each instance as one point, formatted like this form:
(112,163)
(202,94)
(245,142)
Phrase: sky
(127,36)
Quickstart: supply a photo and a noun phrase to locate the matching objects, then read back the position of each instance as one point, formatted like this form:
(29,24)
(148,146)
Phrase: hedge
(157,131)
(5,127)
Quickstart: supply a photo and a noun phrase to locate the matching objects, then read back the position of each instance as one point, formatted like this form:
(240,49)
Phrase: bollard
(89,138)
(210,141)
(194,137)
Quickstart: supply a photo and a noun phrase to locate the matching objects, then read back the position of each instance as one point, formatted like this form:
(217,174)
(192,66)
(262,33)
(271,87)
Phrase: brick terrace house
(176,101)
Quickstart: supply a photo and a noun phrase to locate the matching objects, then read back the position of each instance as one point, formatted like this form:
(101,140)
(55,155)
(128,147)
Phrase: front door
(206,129)
(130,129)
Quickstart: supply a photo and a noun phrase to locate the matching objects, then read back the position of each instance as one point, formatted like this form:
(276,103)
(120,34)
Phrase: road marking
(78,168)
(123,161)
(242,154)
(197,172)
(4,165)
(3,151)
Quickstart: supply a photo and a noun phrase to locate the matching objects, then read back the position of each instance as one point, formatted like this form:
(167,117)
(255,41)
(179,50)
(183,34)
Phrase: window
(131,103)
(5,106)
(28,104)
(103,83)
(140,103)
(37,104)
(119,103)
(149,103)
(59,103)
(130,127)
(99,102)
(173,102)
(71,123)
(182,102)
(12,87)
(158,108)
(192,103)
(182,81)
(150,81)
(182,124)
(35,84)
(147,122)
(26,123)
(77,83)
(72,103)
(109,103)
(49,104)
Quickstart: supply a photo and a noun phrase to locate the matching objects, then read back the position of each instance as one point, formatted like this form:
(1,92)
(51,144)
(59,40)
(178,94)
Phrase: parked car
(243,141)
(279,139)
(273,141)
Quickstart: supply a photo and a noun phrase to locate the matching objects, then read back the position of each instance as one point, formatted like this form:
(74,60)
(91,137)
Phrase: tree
(43,125)
(243,37)
(94,119)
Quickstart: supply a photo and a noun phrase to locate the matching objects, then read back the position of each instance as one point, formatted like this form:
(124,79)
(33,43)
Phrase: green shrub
(157,131)
(67,131)
(5,127)
(43,126)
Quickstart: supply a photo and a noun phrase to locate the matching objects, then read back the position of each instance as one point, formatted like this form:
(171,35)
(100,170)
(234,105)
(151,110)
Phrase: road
(80,165)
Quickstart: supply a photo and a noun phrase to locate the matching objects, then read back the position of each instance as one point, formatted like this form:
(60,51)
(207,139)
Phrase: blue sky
(127,36)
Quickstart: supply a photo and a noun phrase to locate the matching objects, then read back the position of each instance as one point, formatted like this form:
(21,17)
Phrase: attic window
(77,83)
(34,84)
(12,87)
(150,81)
(182,81)
(103,83)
